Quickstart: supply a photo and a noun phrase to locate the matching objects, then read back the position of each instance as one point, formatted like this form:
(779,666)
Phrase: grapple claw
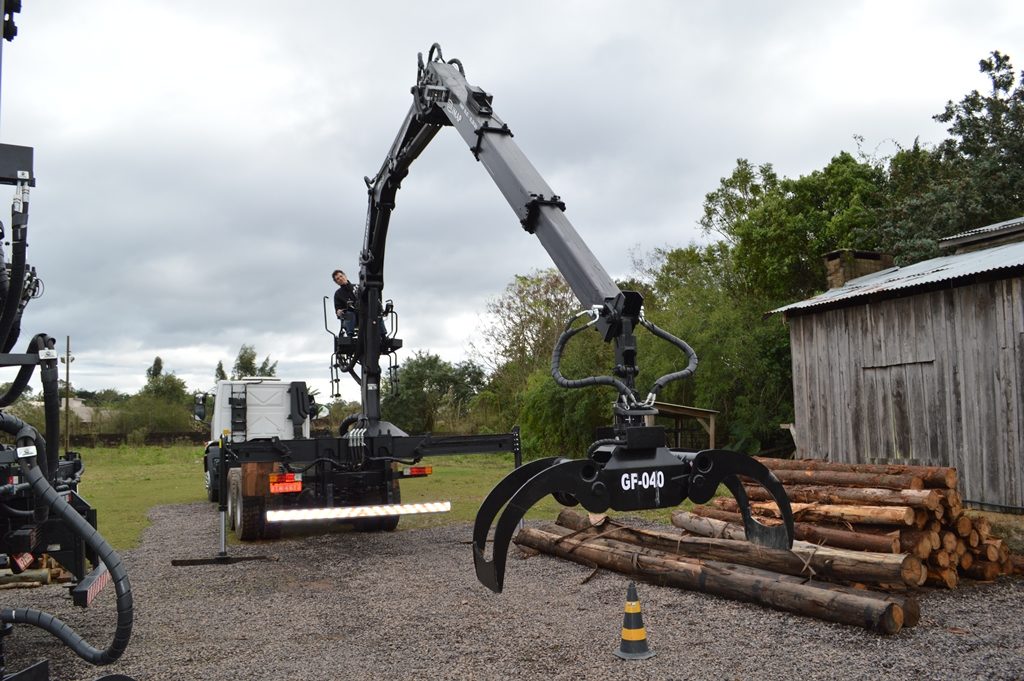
(517,492)
(713,467)
(636,471)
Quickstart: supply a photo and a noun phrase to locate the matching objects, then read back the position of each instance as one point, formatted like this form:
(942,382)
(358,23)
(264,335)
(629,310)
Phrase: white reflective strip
(357,511)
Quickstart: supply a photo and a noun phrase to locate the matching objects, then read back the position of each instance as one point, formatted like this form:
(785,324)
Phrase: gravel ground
(407,605)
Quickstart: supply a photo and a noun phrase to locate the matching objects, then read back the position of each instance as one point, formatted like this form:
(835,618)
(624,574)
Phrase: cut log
(987,552)
(721,580)
(966,561)
(939,559)
(1018,564)
(942,577)
(932,476)
(1002,550)
(856,566)
(874,515)
(983,526)
(39,576)
(930,499)
(848,479)
(842,539)
(983,570)
(948,541)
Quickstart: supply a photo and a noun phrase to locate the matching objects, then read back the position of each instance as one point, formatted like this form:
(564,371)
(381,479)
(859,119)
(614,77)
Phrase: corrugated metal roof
(946,268)
(985,230)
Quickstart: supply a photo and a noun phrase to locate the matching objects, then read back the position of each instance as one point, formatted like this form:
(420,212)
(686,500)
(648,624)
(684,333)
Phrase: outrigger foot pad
(633,473)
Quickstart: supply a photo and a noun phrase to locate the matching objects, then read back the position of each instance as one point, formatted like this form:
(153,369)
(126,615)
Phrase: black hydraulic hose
(347,422)
(691,365)
(27,435)
(13,299)
(5,279)
(601,443)
(14,512)
(556,360)
(592,449)
(24,374)
(50,376)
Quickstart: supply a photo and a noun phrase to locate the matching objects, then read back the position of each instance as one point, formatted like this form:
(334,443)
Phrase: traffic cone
(634,636)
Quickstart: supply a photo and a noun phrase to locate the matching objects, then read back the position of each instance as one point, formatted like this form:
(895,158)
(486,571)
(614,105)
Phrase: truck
(266,467)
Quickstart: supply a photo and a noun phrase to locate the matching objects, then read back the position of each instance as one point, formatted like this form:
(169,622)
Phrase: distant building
(921,364)
(79,409)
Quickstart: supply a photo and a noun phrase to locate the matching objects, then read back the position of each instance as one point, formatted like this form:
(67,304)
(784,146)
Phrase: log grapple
(634,470)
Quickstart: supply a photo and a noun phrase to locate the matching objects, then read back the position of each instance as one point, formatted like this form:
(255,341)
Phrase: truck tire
(234,492)
(388,523)
(249,519)
(212,483)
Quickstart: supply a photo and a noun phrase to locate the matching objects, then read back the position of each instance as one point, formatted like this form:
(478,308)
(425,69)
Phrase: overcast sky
(200,164)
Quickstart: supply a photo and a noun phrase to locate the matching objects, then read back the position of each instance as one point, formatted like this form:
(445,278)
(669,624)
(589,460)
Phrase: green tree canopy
(974,178)
(156,369)
(433,394)
(245,364)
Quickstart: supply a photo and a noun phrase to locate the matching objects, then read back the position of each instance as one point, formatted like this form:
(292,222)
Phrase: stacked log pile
(916,508)
(866,538)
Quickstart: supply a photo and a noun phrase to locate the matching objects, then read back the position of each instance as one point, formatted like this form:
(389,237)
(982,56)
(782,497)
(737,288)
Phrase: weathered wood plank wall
(935,378)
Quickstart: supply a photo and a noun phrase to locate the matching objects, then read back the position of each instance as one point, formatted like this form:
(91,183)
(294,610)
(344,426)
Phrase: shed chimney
(843,265)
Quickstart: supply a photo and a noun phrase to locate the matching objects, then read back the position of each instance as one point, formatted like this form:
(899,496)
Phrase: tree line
(162,405)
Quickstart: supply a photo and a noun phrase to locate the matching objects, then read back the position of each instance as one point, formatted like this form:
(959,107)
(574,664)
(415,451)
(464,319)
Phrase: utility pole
(67,359)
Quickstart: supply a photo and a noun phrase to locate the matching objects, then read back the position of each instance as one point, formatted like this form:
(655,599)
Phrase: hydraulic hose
(26,435)
(347,422)
(12,512)
(17,281)
(5,279)
(50,376)
(556,361)
(24,374)
(691,365)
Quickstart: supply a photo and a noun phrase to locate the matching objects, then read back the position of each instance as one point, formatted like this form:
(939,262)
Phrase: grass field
(124,483)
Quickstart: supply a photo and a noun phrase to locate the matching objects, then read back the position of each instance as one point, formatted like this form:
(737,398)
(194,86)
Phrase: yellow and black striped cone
(634,636)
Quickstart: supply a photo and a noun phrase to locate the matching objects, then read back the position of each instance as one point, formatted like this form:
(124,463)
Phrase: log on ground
(827,561)
(719,579)
(843,539)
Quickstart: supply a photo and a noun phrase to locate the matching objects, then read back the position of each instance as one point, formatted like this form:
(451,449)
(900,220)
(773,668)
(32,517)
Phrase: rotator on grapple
(633,468)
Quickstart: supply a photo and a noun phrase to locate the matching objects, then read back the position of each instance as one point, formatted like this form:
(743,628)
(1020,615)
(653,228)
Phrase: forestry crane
(630,468)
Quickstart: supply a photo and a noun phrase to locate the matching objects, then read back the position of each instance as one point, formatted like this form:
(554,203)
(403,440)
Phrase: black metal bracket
(529,223)
(483,130)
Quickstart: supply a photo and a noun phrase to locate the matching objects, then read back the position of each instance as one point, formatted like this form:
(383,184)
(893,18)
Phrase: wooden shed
(920,364)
